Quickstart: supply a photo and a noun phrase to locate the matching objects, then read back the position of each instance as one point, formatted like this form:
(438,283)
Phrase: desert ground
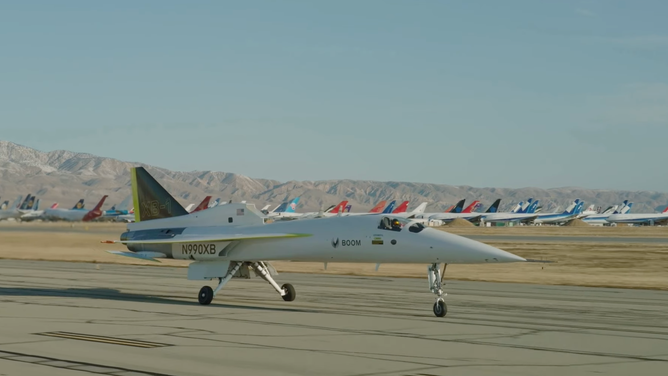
(610,262)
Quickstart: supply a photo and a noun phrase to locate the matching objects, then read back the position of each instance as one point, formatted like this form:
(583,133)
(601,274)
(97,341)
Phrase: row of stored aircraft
(528,212)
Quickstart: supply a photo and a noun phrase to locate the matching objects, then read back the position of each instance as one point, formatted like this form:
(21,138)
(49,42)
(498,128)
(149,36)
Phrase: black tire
(290,293)
(205,295)
(440,309)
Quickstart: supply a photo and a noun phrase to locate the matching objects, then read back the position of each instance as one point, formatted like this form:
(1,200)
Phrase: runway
(58,317)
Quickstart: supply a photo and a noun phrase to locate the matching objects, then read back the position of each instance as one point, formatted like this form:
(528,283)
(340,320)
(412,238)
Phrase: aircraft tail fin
(379,207)
(469,209)
(340,208)
(16,203)
(28,202)
(79,204)
(576,207)
(665,210)
(458,208)
(203,205)
(36,206)
(401,208)
(99,204)
(125,204)
(292,206)
(627,208)
(421,208)
(532,208)
(390,207)
(495,206)
(150,199)
(4,205)
(280,208)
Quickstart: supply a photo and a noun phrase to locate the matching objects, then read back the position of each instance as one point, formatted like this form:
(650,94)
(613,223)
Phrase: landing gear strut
(287,291)
(435,283)
(206,293)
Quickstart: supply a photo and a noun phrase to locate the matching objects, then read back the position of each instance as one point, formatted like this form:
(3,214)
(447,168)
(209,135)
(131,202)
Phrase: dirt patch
(459,222)
(577,223)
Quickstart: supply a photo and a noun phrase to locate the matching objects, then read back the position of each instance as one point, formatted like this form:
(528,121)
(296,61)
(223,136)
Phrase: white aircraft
(601,219)
(468,213)
(521,213)
(570,213)
(12,211)
(35,213)
(230,240)
(75,214)
(650,219)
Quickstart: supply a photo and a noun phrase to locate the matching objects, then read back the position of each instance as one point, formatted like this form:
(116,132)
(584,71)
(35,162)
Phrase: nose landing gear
(435,283)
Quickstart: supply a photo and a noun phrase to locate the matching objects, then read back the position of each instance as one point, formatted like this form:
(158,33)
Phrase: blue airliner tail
(390,207)
(531,209)
(292,206)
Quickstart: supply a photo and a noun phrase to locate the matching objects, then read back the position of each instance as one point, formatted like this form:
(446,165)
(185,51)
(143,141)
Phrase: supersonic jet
(233,240)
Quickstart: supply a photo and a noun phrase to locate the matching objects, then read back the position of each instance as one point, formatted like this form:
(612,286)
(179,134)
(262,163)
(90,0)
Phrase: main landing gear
(435,281)
(287,291)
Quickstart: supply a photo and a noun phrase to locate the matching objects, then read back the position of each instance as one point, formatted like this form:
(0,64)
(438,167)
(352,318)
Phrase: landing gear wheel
(290,293)
(205,295)
(440,309)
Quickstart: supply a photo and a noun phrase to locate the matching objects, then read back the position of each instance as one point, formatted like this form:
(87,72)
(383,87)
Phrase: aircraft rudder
(495,206)
(151,200)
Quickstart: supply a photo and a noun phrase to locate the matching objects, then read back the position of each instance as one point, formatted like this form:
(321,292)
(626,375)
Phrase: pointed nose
(465,250)
(493,254)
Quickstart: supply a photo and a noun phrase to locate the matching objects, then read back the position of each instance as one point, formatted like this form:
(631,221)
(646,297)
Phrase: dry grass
(585,264)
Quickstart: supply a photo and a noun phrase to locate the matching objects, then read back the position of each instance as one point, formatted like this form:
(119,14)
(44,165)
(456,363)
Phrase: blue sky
(481,93)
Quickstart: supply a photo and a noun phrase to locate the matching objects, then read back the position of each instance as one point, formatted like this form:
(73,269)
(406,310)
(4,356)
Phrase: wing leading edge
(210,238)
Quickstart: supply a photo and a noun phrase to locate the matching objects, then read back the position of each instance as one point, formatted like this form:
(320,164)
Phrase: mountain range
(64,177)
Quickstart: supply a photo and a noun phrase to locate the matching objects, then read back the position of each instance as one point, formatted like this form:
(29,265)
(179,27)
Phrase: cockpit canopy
(398,224)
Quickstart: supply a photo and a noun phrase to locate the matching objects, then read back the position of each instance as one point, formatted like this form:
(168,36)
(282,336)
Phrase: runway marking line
(103,339)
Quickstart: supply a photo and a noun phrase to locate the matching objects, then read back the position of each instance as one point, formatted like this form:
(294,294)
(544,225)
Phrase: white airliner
(601,219)
(650,219)
(75,214)
(468,214)
(13,210)
(31,215)
(232,240)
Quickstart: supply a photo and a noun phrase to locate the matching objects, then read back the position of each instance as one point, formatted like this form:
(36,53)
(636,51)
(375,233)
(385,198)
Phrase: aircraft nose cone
(472,251)
(498,255)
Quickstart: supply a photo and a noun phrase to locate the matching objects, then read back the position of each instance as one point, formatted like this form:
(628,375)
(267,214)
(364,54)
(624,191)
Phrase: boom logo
(345,243)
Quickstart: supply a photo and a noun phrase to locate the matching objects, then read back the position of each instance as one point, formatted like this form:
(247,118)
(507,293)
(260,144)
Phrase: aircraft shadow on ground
(116,295)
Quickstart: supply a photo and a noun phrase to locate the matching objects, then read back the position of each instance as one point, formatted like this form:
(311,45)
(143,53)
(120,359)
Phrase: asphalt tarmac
(60,318)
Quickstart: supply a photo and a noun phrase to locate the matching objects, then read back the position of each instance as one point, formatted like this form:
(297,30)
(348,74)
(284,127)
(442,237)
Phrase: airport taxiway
(59,318)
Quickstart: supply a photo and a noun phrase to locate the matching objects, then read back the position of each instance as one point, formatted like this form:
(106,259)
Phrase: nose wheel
(435,286)
(440,308)
(205,295)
